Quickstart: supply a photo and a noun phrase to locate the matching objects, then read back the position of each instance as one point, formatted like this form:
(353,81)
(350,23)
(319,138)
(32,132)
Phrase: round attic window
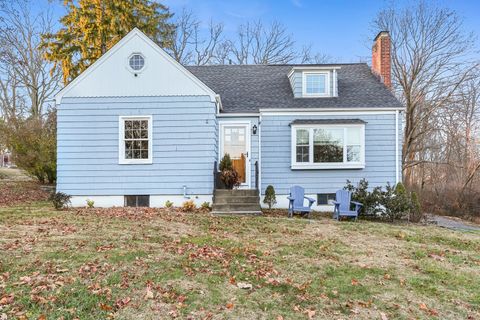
(136,62)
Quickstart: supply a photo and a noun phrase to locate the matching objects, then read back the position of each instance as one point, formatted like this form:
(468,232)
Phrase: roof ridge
(280,65)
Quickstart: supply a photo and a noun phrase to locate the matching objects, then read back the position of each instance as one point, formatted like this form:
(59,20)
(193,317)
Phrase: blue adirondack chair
(297,201)
(342,205)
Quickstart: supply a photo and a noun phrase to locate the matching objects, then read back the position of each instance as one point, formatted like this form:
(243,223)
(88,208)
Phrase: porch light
(254,129)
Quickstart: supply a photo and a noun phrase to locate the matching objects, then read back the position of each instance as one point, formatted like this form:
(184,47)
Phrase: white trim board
(282,203)
(328,112)
(156,201)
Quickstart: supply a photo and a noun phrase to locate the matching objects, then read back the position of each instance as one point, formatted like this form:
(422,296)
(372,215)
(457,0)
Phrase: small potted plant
(228,174)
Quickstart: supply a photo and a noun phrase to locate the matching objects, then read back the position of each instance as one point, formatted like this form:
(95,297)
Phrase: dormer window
(316,84)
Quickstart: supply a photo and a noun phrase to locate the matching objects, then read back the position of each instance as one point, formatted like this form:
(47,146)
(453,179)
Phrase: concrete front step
(240,201)
(236,192)
(223,199)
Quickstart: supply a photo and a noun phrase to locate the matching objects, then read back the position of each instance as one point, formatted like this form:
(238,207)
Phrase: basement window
(325,198)
(137,201)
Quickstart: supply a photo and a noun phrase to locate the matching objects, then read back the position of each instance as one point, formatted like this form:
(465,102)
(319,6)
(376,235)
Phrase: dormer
(314,81)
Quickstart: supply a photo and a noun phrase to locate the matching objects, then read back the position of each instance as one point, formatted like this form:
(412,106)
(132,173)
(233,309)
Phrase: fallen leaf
(105,307)
(433,312)
(436,257)
(121,303)
(7,299)
(355,282)
(387,276)
(423,306)
(244,285)
(149,294)
(229,305)
(42,317)
(310,314)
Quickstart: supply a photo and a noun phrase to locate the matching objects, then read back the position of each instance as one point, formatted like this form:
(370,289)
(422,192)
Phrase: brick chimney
(381,63)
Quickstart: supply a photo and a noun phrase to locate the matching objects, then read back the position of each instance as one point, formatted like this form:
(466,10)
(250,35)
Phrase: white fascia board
(312,68)
(118,45)
(237,115)
(331,111)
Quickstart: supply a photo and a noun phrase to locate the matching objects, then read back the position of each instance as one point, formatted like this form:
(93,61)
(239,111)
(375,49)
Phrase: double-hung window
(316,84)
(328,146)
(135,145)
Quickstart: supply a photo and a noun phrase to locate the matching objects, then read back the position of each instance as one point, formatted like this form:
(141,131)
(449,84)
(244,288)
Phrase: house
(138,128)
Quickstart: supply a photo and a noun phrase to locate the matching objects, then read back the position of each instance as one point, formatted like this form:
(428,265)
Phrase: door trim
(248,137)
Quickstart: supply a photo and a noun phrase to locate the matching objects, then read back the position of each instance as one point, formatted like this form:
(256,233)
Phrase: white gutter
(236,115)
(219,103)
(276,110)
(396,148)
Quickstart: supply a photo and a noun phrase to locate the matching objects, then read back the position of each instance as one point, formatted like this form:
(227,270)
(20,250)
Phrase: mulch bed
(14,193)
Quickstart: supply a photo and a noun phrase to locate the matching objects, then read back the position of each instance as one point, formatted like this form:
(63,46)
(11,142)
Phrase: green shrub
(225,163)
(188,206)
(371,200)
(270,198)
(90,203)
(33,142)
(60,200)
(393,203)
(168,204)
(416,214)
(206,206)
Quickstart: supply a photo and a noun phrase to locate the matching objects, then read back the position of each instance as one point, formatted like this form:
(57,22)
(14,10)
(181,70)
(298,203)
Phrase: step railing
(256,175)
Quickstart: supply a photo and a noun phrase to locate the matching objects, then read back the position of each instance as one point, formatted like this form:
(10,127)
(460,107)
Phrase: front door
(235,140)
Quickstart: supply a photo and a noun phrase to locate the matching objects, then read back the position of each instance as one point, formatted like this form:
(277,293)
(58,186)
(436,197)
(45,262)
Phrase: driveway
(453,223)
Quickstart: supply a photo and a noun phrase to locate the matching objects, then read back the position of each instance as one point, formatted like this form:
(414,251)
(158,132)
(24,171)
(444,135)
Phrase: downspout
(396,147)
(260,154)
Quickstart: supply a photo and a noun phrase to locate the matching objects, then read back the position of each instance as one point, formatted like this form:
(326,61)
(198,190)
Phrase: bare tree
(430,53)
(260,44)
(306,56)
(25,75)
(191,45)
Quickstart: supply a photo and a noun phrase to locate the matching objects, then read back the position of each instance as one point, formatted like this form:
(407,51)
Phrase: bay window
(328,146)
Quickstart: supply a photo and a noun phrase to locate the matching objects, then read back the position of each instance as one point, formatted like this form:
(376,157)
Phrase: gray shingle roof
(327,121)
(248,88)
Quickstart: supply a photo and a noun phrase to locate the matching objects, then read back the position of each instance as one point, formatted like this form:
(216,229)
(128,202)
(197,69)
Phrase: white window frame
(121,140)
(327,165)
(130,68)
(327,84)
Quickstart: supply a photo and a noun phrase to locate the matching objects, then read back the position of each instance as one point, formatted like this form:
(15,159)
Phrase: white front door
(235,140)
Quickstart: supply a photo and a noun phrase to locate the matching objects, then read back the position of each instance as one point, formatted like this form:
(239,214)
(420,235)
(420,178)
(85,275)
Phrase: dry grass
(152,264)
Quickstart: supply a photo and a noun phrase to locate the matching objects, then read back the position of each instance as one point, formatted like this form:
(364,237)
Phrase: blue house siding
(184,146)
(276,155)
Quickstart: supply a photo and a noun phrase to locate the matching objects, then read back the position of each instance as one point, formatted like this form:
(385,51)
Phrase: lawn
(151,264)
